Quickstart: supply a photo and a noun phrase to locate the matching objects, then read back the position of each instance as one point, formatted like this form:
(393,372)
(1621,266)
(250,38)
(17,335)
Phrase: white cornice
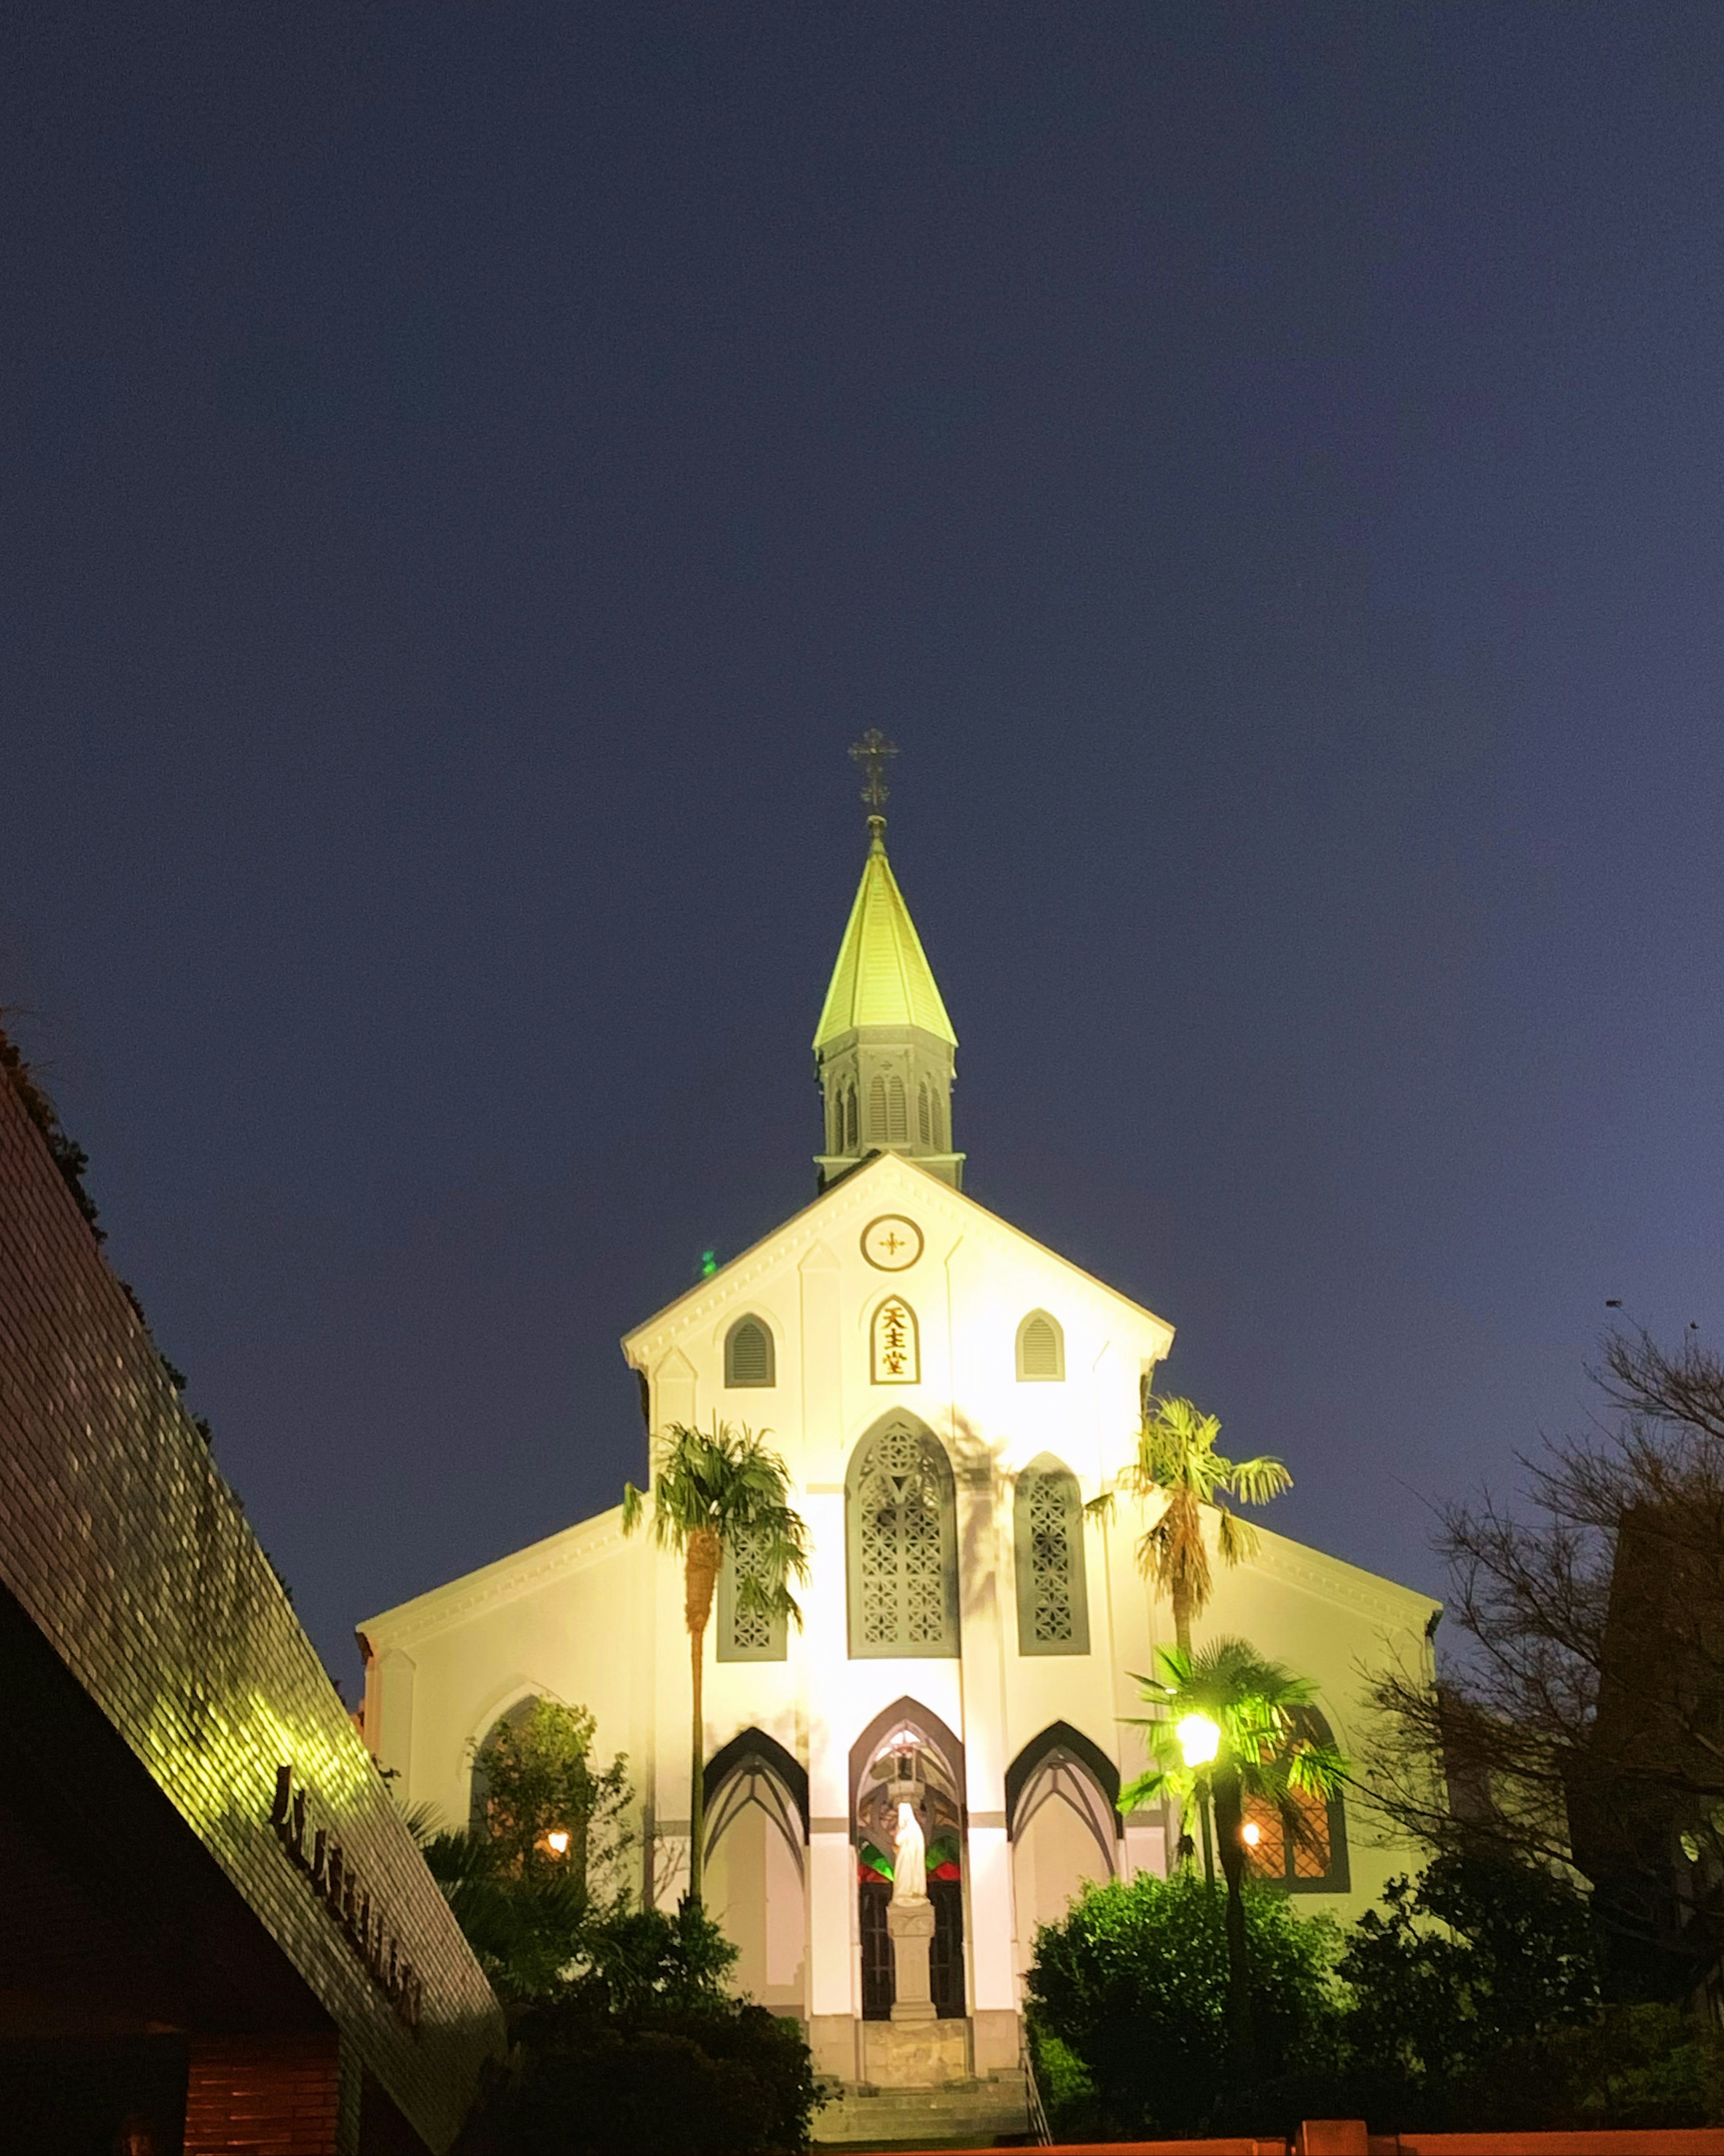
(864,1189)
(558,1557)
(1336,1581)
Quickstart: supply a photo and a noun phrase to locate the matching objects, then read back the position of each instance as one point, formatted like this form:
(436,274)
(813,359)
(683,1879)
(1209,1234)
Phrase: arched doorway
(908,1747)
(755,1886)
(1061,1804)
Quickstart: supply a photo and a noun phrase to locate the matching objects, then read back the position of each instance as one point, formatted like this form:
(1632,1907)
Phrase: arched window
(748,1355)
(745,1634)
(895,1347)
(876,1107)
(924,1116)
(1048,1540)
(898,1119)
(902,1535)
(1301,1846)
(850,1136)
(1041,1349)
(514,1717)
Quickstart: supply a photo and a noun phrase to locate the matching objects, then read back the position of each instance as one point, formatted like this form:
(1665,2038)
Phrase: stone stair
(972,2112)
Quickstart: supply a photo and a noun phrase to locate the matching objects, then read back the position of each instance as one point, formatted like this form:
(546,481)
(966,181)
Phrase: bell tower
(885,1049)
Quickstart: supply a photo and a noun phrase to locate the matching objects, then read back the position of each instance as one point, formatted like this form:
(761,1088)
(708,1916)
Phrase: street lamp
(1200,1740)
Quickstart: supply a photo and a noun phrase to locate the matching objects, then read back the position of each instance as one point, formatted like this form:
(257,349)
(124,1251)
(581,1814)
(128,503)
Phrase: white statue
(909,1866)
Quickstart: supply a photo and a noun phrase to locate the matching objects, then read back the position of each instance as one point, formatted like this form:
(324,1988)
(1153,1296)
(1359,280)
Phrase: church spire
(884,1047)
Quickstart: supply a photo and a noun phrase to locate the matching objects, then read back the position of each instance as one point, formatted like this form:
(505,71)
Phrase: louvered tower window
(876,1107)
(924,1116)
(1041,1349)
(902,1539)
(898,1118)
(849,1137)
(1048,1546)
(748,1357)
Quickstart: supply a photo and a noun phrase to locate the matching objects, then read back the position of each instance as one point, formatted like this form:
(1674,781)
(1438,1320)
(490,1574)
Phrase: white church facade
(947,1394)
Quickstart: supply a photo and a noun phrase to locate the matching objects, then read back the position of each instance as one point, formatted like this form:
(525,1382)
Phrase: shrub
(1133,1987)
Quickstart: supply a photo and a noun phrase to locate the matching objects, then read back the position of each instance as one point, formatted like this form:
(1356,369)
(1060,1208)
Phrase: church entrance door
(945,1957)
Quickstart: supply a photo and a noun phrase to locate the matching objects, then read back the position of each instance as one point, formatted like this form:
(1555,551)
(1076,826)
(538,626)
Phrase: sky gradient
(470,474)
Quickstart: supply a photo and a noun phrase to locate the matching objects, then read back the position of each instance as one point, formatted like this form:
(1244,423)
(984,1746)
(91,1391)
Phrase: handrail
(1037,2113)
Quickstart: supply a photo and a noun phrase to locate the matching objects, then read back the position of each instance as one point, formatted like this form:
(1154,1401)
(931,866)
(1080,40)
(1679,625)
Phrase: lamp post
(1200,1742)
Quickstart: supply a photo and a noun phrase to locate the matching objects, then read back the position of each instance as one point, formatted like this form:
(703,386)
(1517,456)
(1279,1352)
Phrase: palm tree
(1227,1731)
(1177,1460)
(714,1490)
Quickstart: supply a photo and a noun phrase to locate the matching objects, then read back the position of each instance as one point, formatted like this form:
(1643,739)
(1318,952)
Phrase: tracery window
(902,1535)
(748,1354)
(1041,1349)
(894,1344)
(1047,1543)
(1301,1845)
(745,1634)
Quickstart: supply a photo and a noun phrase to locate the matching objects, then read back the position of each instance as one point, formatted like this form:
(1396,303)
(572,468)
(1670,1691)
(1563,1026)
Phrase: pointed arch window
(876,1107)
(745,1634)
(894,1344)
(1047,1550)
(1041,1349)
(924,1116)
(901,1532)
(1302,1844)
(848,1143)
(749,1356)
(897,1113)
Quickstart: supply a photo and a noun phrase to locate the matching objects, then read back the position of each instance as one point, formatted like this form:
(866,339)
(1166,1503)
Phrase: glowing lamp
(1199,1739)
(1251,1834)
(558,1841)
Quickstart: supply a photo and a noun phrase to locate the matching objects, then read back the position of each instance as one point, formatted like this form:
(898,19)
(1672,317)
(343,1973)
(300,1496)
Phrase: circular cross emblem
(891,1243)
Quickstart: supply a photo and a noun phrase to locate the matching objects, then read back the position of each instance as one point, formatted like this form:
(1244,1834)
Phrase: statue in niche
(909,1866)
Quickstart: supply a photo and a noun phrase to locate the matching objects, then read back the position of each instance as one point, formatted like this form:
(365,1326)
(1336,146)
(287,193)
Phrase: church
(947,1394)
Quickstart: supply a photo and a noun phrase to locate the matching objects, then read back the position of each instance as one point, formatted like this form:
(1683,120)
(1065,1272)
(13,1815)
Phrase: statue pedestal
(910,1927)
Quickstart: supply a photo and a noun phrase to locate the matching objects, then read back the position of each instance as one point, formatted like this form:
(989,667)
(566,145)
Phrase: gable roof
(882,1177)
(882,977)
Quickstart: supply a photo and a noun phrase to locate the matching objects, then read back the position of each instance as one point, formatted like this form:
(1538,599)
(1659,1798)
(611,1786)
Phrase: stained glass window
(903,1545)
(1301,1845)
(744,1634)
(1048,1537)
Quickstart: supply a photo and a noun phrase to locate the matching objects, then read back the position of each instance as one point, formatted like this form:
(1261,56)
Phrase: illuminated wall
(125,1547)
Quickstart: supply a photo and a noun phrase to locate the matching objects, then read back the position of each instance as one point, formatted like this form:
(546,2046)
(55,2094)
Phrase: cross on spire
(873,752)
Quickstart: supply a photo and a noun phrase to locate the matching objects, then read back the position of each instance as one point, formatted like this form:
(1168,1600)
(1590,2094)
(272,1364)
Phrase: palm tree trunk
(1230,1817)
(705,1554)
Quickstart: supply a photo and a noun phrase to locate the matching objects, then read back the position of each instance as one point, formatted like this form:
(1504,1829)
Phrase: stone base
(996,2041)
(970,2114)
(832,2039)
(915,2055)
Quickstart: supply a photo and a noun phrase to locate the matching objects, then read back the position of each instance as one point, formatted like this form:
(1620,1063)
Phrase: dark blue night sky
(469,474)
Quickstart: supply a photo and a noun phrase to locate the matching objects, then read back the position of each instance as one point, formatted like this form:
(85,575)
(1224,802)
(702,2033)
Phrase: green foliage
(525,1906)
(642,2049)
(722,1483)
(641,1962)
(1133,1985)
(1474,1956)
(1252,1702)
(717,2084)
(1177,1467)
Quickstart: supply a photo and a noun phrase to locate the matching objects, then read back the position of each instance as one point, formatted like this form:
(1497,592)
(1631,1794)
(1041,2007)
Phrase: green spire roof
(882,977)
